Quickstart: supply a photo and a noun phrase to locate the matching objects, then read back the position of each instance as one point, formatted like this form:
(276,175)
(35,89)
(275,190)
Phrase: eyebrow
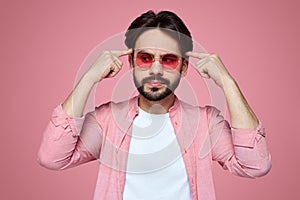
(143,51)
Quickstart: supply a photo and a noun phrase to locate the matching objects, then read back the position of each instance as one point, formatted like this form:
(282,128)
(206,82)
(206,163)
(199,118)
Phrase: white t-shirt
(155,167)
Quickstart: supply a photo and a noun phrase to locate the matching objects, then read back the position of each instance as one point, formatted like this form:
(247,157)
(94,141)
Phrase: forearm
(241,114)
(75,103)
(107,65)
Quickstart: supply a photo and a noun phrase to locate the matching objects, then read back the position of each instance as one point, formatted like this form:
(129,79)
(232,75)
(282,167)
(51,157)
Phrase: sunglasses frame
(154,59)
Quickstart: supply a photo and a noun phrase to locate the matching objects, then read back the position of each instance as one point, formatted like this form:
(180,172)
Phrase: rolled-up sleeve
(63,142)
(243,152)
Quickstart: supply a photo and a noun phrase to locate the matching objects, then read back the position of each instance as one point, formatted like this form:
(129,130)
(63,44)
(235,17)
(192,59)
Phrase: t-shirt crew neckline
(147,114)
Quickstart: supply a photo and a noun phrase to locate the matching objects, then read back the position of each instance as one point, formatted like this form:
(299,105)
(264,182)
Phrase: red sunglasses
(144,60)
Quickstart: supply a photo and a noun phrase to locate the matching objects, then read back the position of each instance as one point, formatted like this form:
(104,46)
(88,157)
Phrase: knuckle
(214,55)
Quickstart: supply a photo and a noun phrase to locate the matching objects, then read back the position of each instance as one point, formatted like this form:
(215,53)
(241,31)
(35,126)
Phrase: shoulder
(111,105)
(112,109)
(207,109)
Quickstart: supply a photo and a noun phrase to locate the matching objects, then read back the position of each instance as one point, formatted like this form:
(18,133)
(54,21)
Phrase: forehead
(157,40)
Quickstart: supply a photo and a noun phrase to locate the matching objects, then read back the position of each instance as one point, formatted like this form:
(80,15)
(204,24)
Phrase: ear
(130,60)
(184,69)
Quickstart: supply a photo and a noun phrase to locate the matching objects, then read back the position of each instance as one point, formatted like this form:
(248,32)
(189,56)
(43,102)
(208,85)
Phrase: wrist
(90,79)
(228,82)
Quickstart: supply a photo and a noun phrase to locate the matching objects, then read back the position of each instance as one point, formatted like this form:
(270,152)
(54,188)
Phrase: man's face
(157,65)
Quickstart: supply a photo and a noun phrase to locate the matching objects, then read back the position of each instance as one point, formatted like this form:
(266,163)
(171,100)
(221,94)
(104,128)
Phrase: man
(155,146)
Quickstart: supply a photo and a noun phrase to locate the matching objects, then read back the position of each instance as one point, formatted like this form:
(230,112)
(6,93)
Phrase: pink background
(43,44)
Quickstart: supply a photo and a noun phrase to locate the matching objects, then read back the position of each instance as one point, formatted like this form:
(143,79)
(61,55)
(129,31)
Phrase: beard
(156,93)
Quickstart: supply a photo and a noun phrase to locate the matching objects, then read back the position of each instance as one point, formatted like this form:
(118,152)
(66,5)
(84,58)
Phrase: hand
(210,66)
(107,65)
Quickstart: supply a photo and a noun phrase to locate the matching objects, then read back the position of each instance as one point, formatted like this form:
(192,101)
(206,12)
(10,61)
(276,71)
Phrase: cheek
(138,77)
(139,74)
(173,75)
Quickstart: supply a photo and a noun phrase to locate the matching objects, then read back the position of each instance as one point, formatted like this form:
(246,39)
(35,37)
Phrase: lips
(155,84)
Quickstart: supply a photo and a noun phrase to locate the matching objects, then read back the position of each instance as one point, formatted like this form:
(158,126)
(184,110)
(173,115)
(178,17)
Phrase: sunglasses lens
(169,61)
(144,60)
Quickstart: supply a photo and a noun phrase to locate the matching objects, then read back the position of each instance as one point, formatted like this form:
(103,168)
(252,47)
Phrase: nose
(156,68)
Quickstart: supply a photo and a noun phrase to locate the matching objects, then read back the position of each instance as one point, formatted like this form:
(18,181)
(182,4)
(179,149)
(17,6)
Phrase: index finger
(195,54)
(119,53)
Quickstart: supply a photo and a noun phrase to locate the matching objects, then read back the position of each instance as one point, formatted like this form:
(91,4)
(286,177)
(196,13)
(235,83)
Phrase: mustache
(155,78)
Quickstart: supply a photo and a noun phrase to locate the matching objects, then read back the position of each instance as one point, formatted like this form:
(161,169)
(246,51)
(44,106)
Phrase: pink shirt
(202,133)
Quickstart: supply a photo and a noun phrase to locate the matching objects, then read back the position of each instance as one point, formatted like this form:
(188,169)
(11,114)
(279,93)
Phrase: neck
(157,107)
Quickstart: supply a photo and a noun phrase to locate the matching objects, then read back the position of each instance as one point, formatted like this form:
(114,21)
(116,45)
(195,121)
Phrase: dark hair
(168,21)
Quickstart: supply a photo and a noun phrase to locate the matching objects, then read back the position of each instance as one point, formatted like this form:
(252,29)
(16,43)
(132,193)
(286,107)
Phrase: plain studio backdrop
(44,43)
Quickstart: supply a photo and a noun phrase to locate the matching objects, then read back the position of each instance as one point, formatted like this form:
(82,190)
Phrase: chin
(155,94)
